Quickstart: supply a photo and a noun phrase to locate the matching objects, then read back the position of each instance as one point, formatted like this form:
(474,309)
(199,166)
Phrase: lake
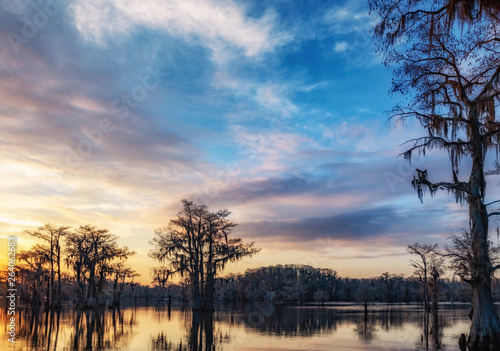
(249,327)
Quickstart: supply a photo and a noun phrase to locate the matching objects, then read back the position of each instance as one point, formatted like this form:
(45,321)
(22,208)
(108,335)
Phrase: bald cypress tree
(52,236)
(197,244)
(445,57)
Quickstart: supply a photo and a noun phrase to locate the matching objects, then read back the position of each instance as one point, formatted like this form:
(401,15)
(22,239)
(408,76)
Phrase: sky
(113,111)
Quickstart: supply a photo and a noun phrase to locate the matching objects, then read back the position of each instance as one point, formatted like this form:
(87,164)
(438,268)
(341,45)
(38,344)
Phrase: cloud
(348,226)
(56,93)
(340,47)
(218,25)
(272,97)
(350,24)
(347,17)
(267,99)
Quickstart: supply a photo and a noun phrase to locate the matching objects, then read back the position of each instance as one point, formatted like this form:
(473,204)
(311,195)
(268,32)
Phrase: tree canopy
(198,244)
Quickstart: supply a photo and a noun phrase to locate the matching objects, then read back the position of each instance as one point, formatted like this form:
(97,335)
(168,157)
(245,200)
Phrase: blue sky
(113,111)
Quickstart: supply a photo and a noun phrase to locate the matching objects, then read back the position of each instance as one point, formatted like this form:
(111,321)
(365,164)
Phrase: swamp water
(250,327)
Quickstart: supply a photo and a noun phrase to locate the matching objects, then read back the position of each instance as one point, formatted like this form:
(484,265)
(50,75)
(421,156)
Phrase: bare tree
(197,244)
(52,236)
(436,269)
(422,267)
(160,276)
(121,273)
(461,252)
(365,294)
(450,70)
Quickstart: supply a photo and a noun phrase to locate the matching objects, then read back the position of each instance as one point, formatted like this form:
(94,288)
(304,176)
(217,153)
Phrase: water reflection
(87,330)
(270,320)
(365,328)
(258,326)
(432,331)
(38,328)
(102,330)
(200,335)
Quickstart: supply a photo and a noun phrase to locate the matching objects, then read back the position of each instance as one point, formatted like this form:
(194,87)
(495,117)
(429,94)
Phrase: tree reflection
(202,331)
(285,321)
(40,329)
(227,329)
(432,331)
(200,335)
(102,330)
(436,332)
(365,328)
(162,342)
(53,332)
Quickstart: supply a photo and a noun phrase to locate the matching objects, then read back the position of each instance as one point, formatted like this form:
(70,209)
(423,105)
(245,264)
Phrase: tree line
(297,284)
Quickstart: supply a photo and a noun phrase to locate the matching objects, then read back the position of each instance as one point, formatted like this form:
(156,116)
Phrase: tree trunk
(52,285)
(435,290)
(210,276)
(47,303)
(91,289)
(203,282)
(437,335)
(59,297)
(208,322)
(426,329)
(485,326)
(426,290)
(79,285)
(37,286)
(209,291)
(115,292)
(197,298)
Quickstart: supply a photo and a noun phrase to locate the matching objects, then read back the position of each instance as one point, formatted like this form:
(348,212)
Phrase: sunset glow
(113,111)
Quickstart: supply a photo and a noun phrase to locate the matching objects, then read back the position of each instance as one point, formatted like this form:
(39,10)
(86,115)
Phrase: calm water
(252,327)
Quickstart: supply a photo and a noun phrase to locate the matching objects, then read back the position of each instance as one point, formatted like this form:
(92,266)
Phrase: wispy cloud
(350,22)
(219,25)
(341,46)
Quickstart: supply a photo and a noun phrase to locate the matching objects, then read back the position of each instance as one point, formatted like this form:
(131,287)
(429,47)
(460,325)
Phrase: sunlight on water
(252,327)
